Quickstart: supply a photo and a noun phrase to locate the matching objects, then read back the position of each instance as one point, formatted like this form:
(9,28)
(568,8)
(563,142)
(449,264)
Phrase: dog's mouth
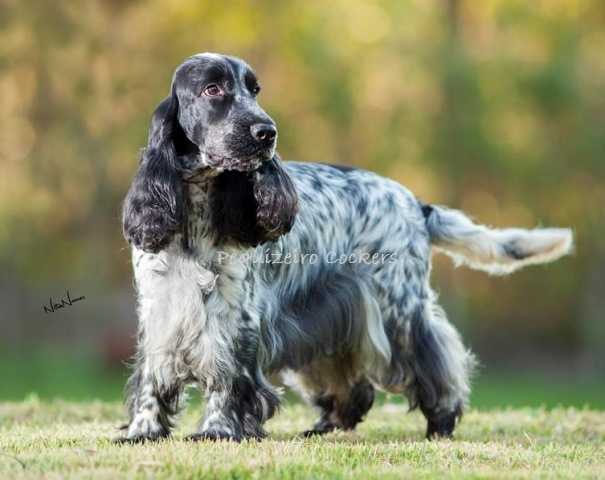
(239,162)
(207,165)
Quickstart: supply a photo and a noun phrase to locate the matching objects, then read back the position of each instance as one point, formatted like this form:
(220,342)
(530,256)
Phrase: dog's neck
(203,216)
(196,186)
(197,183)
(223,208)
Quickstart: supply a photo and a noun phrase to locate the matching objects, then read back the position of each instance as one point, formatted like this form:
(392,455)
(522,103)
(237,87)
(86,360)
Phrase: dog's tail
(497,251)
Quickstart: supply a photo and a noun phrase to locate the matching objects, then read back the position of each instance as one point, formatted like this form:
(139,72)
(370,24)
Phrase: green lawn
(82,377)
(57,439)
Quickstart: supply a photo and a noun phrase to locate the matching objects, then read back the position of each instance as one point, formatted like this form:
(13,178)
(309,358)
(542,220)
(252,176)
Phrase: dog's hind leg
(342,397)
(440,366)
(342,411)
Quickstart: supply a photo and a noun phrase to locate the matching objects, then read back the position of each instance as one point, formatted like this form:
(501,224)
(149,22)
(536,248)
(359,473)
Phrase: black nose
(263,132)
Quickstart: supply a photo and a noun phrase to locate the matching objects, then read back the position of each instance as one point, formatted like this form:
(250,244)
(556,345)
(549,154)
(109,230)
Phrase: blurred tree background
(496,107)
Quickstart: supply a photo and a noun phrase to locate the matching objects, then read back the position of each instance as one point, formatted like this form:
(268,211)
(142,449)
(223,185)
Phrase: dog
(247,267)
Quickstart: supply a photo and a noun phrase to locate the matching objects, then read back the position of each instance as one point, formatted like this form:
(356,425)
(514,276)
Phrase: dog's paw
(213,436)
(138,439)
(313,433)
(442,426)
(319,429)
(435,434)
(143,428)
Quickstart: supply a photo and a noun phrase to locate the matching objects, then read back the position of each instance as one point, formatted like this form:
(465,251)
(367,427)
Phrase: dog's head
(219,113)
(211,127)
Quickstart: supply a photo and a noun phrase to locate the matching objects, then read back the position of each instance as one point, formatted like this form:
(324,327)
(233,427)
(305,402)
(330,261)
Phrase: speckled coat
(339,305)
(248,268)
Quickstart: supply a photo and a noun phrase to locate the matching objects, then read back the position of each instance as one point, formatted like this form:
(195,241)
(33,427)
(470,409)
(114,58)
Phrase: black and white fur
(247,267)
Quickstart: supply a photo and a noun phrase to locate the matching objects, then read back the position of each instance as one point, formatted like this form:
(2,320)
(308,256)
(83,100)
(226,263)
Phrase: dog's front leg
(222,420)
(236,410)
(170,290)
(151,407)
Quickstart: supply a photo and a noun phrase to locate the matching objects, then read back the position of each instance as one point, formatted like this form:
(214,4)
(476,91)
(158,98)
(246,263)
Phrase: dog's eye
(213,90)
(255,89)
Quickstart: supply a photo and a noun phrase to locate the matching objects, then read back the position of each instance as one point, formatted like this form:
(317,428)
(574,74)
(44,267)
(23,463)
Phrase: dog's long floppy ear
(276,198)
(154,208)
(252,208)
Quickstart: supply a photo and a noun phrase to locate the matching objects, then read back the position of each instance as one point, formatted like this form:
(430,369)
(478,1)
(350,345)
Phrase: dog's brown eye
(256,89)
(212,90)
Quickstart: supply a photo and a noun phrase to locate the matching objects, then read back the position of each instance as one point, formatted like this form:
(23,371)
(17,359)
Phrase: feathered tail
(497,251)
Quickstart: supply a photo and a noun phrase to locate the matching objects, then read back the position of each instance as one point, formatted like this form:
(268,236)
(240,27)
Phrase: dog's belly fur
(333,326)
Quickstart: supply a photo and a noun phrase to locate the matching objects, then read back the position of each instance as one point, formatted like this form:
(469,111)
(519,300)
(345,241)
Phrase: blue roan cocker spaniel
(248,267)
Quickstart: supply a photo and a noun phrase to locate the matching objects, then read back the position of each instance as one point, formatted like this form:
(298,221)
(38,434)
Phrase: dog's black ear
(233,209)
(252,208)
(276,198)
(154,208)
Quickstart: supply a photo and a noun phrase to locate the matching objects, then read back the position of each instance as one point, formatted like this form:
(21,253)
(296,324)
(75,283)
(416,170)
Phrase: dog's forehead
(202,63)
(219,57)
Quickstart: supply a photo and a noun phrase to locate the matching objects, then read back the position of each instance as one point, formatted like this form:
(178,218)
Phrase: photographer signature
(66,301)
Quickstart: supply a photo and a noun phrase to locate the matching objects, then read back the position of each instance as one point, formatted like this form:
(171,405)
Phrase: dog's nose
(263,132)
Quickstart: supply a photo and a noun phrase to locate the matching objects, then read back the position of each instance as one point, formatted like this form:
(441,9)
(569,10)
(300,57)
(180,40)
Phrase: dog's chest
(190,315)
(230,263)
(195,302)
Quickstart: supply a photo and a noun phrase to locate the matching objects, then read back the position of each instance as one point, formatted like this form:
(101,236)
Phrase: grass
(58,439)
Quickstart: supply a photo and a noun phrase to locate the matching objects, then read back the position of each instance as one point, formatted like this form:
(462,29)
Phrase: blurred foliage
(495,107)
